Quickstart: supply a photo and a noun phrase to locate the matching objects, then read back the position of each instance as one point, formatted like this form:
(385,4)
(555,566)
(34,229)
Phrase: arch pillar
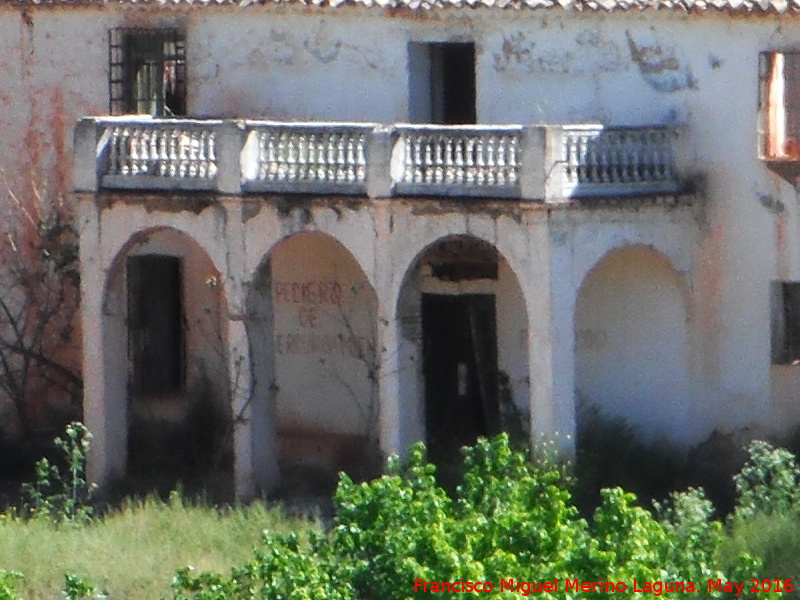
(104,374)
(393,436)
(550,342)
(254,437)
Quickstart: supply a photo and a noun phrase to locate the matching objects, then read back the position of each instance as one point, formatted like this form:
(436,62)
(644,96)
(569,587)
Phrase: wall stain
(282,47)
(590,54)
(166,203)
(322,47)
(659,65)
(772,204)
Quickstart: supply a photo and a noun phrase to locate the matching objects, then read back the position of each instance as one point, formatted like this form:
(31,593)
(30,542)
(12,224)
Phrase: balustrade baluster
(135,152)
(417,144)
(428,160)
(512,161)
(460,160)
(492,170)
(361,159)
(480,162)
(341,162)
(302,157)
(449,161)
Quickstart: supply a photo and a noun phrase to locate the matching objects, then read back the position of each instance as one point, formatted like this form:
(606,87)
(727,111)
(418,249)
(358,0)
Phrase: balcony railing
(551,162)
(306,157)
(603,161)
(146,154)
(463,161)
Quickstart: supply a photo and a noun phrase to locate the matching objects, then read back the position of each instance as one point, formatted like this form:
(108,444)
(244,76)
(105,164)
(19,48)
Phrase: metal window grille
(147,72)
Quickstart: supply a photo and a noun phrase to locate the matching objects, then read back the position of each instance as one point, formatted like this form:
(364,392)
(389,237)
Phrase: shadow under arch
(463,347)
(311,323)
(165,358)
(632,346)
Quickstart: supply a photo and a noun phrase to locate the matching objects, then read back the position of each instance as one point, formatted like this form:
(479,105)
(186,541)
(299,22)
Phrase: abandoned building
(353,225)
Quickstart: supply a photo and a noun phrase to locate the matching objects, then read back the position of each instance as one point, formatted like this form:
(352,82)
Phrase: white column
(254,438)
(104,367)
(397,423)
(551,342)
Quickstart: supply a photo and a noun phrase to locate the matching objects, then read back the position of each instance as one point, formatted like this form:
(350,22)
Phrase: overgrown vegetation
(62,493)
(38,308)
(135,550)
(764,523)
(610,454)
(510,519)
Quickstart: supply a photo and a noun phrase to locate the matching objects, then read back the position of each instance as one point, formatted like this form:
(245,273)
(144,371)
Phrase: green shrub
(78,588)
(284,569)
(764,523)
(507,520)
(62,494)
(8,585)
(768,483)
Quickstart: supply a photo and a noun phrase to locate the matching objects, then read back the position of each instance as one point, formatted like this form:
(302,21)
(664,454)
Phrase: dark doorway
(460,370)
(442,83)
(155,324)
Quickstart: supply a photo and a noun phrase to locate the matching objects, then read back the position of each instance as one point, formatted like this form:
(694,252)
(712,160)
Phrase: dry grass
(133,552)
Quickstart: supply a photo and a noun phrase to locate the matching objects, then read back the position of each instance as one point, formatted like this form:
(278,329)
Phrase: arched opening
(631,345)
(312,326)
(166,355)
(464,335)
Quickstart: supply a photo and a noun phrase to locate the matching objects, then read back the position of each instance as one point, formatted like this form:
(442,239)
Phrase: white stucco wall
(324,338)
(696,71)
(631,345)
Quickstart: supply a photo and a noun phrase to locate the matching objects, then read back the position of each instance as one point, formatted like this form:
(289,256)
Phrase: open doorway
(442,86)
(155,324)
(460,372)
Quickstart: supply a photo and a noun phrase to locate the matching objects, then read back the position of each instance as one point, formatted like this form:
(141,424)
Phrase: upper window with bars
(147,72)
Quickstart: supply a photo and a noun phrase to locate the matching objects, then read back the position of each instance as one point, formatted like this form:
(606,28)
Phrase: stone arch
(466,279)
(631,344)
(163,283)
(311,317)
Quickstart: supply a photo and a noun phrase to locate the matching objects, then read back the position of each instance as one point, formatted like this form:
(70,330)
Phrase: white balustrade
(511,161)
(454,160)
(326,157)
(160,150)
(595,158)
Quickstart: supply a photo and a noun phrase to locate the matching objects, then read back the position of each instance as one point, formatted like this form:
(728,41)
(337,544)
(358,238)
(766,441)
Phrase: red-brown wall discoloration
(781,248)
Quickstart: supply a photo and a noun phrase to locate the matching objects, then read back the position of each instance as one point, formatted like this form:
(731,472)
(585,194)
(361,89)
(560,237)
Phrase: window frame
(442,82)
(160,49)
(785,319)
(777,143)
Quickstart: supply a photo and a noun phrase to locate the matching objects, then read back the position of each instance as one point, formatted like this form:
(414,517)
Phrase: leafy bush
(8,584)
(764,523)
(78,588)
(63,494)
(768,483)
(284,569)
(508,519)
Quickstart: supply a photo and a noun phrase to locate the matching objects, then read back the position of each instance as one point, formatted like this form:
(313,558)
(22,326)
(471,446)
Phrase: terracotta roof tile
(738,6)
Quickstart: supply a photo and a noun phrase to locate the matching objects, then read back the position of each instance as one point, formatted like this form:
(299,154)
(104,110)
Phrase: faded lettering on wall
(317,303)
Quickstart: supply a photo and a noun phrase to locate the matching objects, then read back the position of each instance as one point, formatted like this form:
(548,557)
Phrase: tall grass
(134,551)
(773,538)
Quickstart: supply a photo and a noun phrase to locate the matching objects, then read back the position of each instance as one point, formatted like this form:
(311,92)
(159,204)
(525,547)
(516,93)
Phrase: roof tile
(742,6)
